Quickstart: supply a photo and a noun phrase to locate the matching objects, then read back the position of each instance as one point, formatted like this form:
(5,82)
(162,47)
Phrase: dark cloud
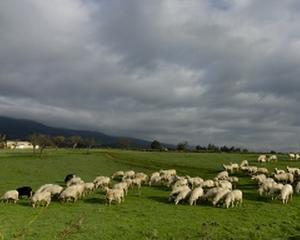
(204,71)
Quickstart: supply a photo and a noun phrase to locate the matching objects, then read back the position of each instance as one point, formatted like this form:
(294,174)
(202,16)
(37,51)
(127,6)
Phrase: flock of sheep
(219,191)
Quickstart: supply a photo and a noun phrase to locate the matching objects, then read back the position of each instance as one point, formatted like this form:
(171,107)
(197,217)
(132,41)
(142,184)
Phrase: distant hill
(21,129)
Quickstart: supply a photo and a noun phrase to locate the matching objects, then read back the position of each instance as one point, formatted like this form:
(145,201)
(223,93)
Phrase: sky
(211,71)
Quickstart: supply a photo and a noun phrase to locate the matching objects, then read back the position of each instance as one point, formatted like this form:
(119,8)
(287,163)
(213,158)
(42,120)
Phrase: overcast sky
(211,71)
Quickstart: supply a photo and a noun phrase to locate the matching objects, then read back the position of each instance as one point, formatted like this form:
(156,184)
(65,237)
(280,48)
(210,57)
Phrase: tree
(40,140)
(89,143)
(182,146)
(155,145)
(58,141)
(124,143)
(75,141)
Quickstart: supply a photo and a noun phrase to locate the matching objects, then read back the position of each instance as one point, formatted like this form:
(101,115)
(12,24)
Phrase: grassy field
(145,214)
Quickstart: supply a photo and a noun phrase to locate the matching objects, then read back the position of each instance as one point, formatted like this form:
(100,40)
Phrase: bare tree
(40,140)
(2,140)
(89,143)
(75,141)
(58,141)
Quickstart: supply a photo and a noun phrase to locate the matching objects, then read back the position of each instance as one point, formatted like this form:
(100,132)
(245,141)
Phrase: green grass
(145,214)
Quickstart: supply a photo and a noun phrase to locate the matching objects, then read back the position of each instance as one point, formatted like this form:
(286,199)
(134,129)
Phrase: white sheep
(224,184)
(168,172)
(222,175)
(284,177)
(10,196)
(101,181)
(41,198)
(195,195)
(286,193)
(244,163)
(184,194)
(233,198)
(292,156)
(262,170)
(123,186)
(114,195)
(220,195)
(128,174)
(195,181)
(144,177)
(278,171)
(262,158)
(272,158)
(294,171)
(259,178)
(208,184)
(89,187)
(72,193)
(74,181)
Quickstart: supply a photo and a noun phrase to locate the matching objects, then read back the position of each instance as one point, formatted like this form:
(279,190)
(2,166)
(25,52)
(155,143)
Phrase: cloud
(203,71)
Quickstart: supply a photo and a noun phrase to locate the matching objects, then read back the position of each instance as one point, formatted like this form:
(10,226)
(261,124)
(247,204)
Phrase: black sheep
(25,191)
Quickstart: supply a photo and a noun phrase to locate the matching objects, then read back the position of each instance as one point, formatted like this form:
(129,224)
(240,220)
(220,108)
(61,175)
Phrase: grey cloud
(204,71)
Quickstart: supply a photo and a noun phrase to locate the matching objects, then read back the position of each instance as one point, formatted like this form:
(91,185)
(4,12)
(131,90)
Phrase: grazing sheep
(155,179)
(143,177)
(284,177)
(297,156)
(123,186)
(101,181)
(228,168)
(184,194)
(208,184)
(262,158)
(72,193)
(69,177)
(54,190)
(118,175)
(233,198)
(176,191)
(272,158)
(194,181)
(294,171)
(128,175)
(168,172)
(10,196)
(224,184)
(278,171)
(195,195)
(211,193)
(244,163)
(25,191)
(219,196)
(74,181)
(137,182)
(222,175)
(286,193)
(262,171)
(89,187)
(292,156)
(114,195)
(41,198)
(259,178)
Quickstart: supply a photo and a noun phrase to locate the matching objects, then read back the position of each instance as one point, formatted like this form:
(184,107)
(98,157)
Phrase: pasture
(145,214)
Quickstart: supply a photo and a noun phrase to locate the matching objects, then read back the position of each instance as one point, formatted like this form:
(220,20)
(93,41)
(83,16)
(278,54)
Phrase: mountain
(21,129)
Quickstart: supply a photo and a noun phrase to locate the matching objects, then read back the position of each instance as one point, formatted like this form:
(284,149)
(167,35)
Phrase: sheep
(114,195)
(262,158)
(244,163)
(176,191)
(297,188)
(118,175)
(137,182)
(168,172)
(228,168)
(265,186)
(101,181)
(297,156)
(10,196)
(294,171)
(284,177)
(252,170)
(195,195)
(211,193)
(144,178)
(278,171)
(292,156)
(123,186)
(89,187)
(222,175)
(69,177)
(208,184)
(262,170)
(195,181)
(286,193)
(128,174)
(39,198)
(155,178)
(72,193)
(25,191)
(180,182)
(54,190)
(224,184)
(219,196)
(184,194)
(259,178)
(233,198)
(272,158)
(74,181)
